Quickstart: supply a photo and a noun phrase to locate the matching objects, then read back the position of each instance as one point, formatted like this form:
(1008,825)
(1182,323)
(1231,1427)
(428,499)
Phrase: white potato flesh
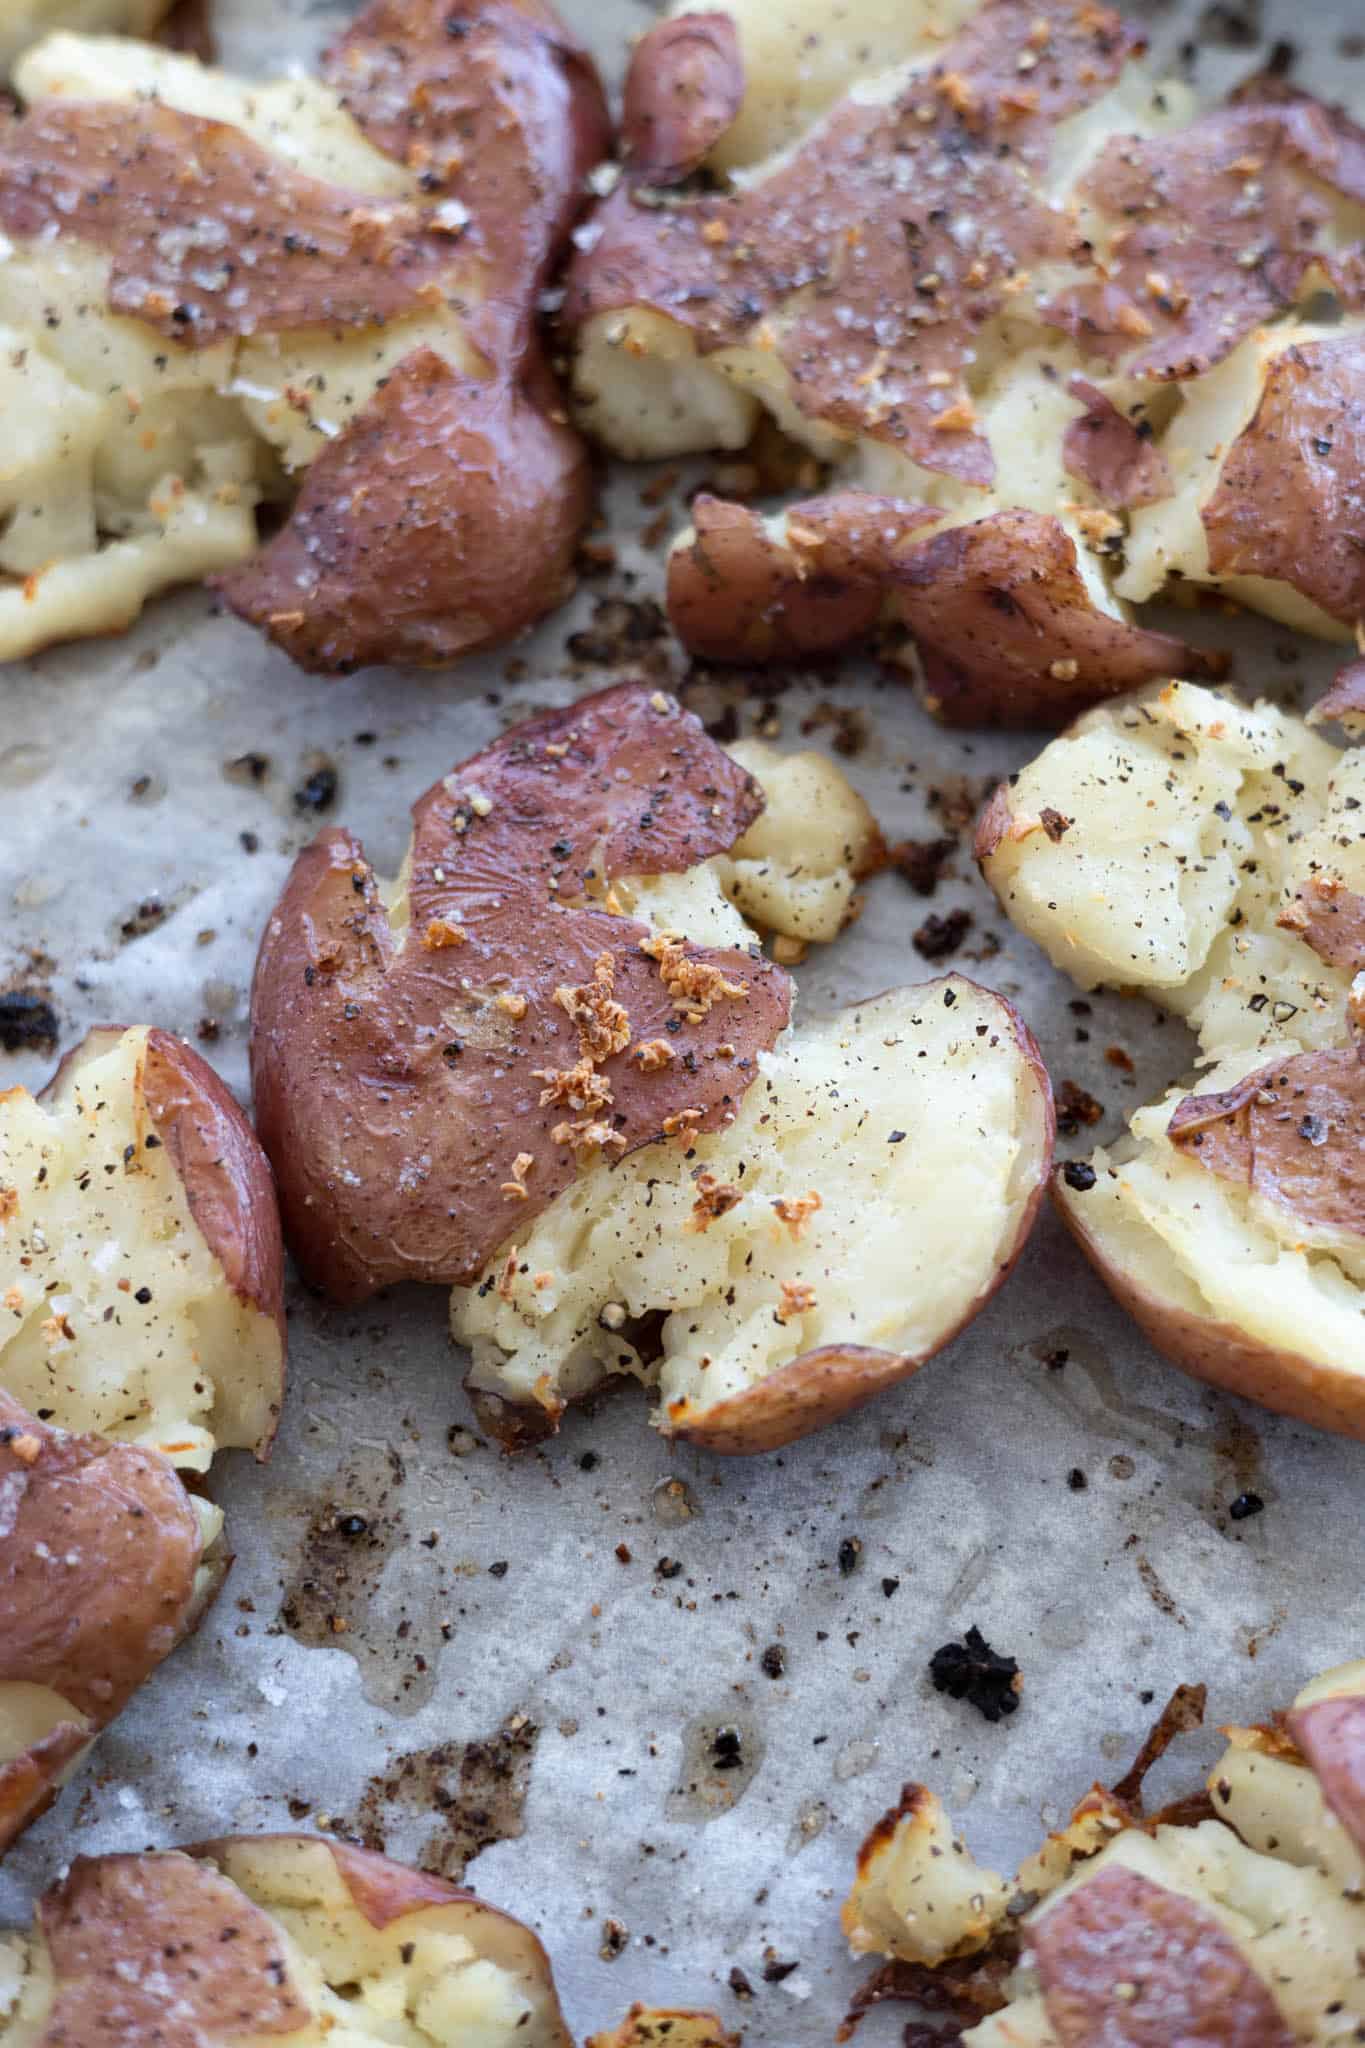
(86,1233)
(1295,1929)
(135,465)
(1193,820)
(23,21)
(919,1894)
(794,871)
(1277,1807)
(1168,539)
(1207,1246)
(898,1109)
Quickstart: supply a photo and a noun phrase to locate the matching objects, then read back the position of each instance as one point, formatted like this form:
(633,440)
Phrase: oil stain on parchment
(720,1761)
(474,1792)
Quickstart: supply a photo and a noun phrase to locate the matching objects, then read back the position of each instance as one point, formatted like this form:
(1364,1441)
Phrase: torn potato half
(1207,853)
(307,293)
(1242,1930)
(964,276)
(560,1011)
(106,1562)
(24,21)
(286,1938)
(141,1266)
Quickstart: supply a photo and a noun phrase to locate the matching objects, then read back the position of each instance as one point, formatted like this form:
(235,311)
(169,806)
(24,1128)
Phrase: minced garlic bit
(796,1211)
(507,1279)
(441,933)
(588,1134)
(654,1054)
(579,1087)
(514,1005)
(515,1188)
(797,1300)
(695,985)
(603,1025)
(681,1124)
(714,1198)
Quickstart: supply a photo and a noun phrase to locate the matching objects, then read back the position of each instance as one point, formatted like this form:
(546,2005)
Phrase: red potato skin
(443,520)
(1344,702)
(820,1386)
(684,87)
(1325,1397)
(390,1152)
(1331,1734)
(1105,449)
(1253,1135)
(1193,1985)
(93,1631)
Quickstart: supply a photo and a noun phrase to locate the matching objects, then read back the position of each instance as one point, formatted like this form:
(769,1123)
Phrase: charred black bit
(1246,1505)
(1076,1106)
(28,1021)
(740,1984)
(773,1662)
(850,1554)
(939,937)
(615,1936)
(920,862)
(499,1569)
(1079,1176)
(589,1462)
(890,1587)
(971,1670)
(1077,1480)
(727,1749)
(668,1568)
(774,1969)
(318,791)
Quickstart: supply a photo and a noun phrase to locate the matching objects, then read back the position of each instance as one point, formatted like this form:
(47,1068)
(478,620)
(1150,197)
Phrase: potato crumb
(513,1005)
(798,1298)
(441,933)
(787,951)
(603,1025)
(796,1211)
(714,1198)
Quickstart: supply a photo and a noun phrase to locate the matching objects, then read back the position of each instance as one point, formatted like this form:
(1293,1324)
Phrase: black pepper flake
(896,1138)
(850,1551)
(668,1568)
(1078,1175)
(774,1969)
(890,1587)
(1077,1480)
(498,1570)
(143,1295)
(727,1749)
(971,1670)
(1245,1506)
(318,791)
(773,1662)
(949,998)
(740,1984)
(589,1462)
(1315,1129)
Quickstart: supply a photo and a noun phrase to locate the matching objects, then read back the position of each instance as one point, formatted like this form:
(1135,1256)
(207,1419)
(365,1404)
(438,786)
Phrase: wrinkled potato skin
(1219,1353)
(683,89)
(817,1388)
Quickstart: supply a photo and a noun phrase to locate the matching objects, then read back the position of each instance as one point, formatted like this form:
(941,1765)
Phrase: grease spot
(720,1760)
(475,1793)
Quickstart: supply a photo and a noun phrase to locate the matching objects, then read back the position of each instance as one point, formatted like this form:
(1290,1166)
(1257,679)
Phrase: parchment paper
(522,1605)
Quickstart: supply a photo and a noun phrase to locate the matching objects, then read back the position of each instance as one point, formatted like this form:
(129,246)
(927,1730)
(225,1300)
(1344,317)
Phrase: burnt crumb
(150,913)
(589,1462)
(938,938)
(773,1662)
(668,1568)
(775,1969)
(1246,1505)
(250,768)
(850,1552)
(1079,1176)
(317,791)
(1055,825)
(848,735)
(740,1984)
(249,842)
(620,628)
(208,1030)
(498,1569)
(971,1670)
(615,1937)
(1117,1057)
(921,862)
(890,1587)
(1076,1106)
(727,1749)
(1077,1480)
(28,1022)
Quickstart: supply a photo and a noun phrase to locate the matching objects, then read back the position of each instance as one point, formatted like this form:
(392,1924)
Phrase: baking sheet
(517,1663)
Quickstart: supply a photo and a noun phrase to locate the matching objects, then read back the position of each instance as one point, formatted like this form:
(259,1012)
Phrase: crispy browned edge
(226,1176)
(822,1385)
(666,2027)
(1327,1397)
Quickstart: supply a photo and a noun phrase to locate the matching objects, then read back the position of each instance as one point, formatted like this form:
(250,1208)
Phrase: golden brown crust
(817,1388)
(98,1566)
(395,1085)
(112,1917)
(1213,246)
(1288,502)
(443,519)
(684,87)
(863,225)
(1330,1733)
(1008,633)
(1221,1354)
(1125,1963)
(736,594)
(1293,1133)
(671,2027)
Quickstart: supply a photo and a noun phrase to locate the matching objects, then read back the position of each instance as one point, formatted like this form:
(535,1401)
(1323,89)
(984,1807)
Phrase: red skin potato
(684,87)
(1331,1734)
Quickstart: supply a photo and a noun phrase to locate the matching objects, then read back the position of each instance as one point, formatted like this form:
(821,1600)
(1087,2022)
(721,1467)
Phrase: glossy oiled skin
(393,1090)
(1331,1734)
(1292,1133)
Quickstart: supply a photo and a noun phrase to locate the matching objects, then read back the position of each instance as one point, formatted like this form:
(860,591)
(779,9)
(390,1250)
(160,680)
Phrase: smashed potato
(1208,853)
(948,250)
(141,1290)
(308,291)
(272,1938)
(24,21)
(1243,1930)
(686,1191)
